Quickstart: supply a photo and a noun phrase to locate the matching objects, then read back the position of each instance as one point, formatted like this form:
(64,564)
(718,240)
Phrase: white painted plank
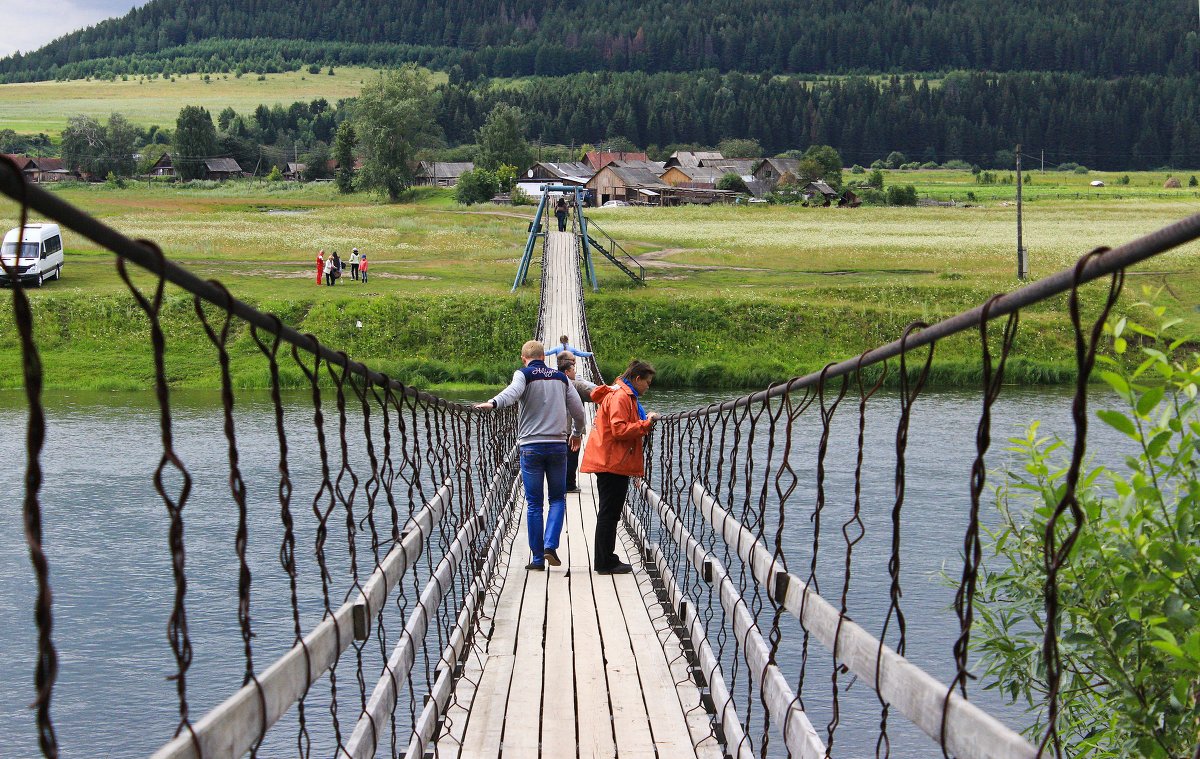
(970,732)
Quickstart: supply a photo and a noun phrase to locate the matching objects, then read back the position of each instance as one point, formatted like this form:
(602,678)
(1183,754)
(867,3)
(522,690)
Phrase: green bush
(856,169)
(1081,169)
(901,196)
(477,186)
(957,165)
(733,183)
(1129,593)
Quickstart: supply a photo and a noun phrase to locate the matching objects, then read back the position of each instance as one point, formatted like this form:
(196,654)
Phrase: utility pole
(1022,260)
(1043,171)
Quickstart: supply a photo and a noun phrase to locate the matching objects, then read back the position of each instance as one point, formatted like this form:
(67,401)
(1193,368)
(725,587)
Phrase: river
(105,537)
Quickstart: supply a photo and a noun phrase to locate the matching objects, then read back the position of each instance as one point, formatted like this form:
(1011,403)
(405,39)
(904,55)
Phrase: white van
(40,257)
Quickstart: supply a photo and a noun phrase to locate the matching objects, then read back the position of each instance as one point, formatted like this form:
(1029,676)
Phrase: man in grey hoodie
(545,398)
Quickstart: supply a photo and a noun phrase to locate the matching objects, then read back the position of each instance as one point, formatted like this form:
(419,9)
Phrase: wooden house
(819,193)
(743,167)
(696,177)
(849,199)
(163,167)
(23,162)
(772,171)
(441,173)
(295,172)
(48,170)
(574,174)
(631,184)
(221,169)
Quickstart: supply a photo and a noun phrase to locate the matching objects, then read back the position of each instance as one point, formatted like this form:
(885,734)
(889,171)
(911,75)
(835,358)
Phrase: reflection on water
(105,536)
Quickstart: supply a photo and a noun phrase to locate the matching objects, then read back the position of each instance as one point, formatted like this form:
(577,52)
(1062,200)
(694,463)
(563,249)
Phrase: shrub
(1123,179)
(478,186)
(1129,640)
(872,197)
(901,196)
(1192,182)
(875,179)
(733,183)
(930,165)
(878,164)
(276,175)
(314,69)
(1081,169)
(1067,166)
(957,165)
(895,159)
(856,169)
(913,166)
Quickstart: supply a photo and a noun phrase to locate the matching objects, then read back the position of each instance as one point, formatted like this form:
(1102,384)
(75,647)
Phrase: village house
(441,173)
(772,171)
(24,163)
(697,177)
(295,172)
(163,167)
(48,170)
(221,169)
(818,193)
(631,184)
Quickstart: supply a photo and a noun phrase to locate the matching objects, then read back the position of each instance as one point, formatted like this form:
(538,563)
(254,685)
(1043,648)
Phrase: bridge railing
(384,551)
(734,516)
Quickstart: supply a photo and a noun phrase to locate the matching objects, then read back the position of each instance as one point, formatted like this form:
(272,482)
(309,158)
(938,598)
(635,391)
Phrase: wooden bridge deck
(575,664)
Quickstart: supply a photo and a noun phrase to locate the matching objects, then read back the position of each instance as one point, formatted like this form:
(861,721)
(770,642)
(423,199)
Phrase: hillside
(1100,38)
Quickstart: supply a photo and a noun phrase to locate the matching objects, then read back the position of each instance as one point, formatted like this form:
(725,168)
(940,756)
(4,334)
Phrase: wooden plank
(522,722)
(593,715)
(798,733)
(486,726)
(970,732)
(736,740)
(231,728)
(364,741)
(558,688)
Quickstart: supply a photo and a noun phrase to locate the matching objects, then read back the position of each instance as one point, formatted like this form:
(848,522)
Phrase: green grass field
(29,108)
(737,295)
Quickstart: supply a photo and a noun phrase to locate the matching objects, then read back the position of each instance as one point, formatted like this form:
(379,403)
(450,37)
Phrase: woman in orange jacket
(614,454)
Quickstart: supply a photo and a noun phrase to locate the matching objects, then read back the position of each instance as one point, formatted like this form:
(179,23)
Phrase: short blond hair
(533,349)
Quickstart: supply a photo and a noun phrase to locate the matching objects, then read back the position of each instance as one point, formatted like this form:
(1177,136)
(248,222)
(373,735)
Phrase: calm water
(105,532)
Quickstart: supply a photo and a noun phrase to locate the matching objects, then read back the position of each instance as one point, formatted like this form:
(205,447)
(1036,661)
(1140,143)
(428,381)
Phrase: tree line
(557,37)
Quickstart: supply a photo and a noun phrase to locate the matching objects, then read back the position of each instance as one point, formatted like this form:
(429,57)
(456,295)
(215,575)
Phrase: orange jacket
(615,443)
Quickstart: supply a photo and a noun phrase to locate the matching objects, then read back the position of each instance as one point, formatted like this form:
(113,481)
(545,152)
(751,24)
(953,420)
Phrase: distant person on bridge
(566,365)
(560,211)
(614,454)
(320,266)
(566,347)
(544,399)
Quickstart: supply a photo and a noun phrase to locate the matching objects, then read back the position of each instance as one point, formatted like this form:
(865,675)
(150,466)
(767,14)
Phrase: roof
(48,164)
(688,158)
(222,165)
(296,168)
(781,165)
(700,174)
(632,176)
(163,160)
(821,187)
(444,169)
(21,161)
(599,159)
(739,166)
(656,167)
(577,171)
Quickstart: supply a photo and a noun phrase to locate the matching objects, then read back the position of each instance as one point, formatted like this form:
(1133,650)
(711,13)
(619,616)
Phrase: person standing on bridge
(560,211)
(614,454)
(566,347)
(566,365)
(544,399)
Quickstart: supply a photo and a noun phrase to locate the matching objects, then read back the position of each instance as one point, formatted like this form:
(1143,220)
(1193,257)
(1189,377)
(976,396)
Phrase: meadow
(736,295)
(33,107)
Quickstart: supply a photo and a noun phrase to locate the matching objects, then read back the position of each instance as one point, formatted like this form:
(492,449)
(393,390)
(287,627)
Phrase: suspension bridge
(415,630)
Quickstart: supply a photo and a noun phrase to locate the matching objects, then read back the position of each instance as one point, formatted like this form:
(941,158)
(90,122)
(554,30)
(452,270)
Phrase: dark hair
(563,339)
(638,369)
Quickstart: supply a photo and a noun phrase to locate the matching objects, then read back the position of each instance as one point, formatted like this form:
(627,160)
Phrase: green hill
(1101,38)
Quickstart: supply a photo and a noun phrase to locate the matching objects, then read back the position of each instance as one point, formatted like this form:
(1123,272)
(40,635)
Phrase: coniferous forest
(1108,83)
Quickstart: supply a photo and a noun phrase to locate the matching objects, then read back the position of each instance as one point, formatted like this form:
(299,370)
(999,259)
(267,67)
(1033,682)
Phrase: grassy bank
(736,296)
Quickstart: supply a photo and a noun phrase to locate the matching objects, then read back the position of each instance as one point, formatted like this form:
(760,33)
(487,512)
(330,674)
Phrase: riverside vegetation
(737,296)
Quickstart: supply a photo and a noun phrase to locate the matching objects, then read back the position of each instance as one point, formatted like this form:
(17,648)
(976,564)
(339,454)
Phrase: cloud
(30,24)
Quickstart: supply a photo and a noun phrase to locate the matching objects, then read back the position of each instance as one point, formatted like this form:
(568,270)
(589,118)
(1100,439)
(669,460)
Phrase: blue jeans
(544,464)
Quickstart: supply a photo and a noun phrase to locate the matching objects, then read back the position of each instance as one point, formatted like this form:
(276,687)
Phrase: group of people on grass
(550,427)
(329,269)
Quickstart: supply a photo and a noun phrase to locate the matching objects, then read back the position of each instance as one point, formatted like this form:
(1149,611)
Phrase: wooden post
(1022,259)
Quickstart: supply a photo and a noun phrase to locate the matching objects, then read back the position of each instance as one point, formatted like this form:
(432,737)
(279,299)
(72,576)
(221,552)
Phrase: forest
(1099,38)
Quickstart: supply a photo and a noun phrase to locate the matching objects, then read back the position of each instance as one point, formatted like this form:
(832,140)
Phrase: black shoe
(536,566)
(616,569)
(572,490)
(551,557)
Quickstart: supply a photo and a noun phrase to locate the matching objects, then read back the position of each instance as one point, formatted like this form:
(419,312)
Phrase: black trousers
(611,489)
(572,469)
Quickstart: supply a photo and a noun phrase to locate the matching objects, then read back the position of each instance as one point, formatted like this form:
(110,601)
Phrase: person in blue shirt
(566,347)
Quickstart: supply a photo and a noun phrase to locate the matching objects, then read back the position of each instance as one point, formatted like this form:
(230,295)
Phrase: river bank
(446,343)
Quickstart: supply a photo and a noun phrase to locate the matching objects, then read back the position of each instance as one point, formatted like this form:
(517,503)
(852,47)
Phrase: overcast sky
(29,24)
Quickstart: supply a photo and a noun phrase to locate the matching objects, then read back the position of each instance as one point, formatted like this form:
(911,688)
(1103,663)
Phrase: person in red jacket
(320,265)
(614,454)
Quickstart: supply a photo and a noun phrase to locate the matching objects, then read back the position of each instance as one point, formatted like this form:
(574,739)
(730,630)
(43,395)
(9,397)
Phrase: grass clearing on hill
(33,107)
(737,295)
